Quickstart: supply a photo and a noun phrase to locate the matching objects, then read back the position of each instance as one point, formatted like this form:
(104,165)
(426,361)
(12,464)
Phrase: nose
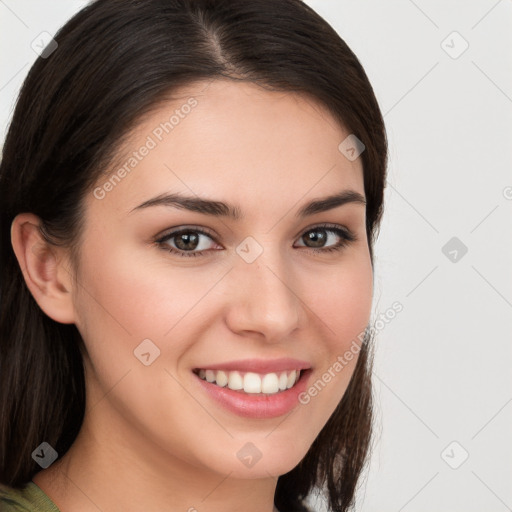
(263,299)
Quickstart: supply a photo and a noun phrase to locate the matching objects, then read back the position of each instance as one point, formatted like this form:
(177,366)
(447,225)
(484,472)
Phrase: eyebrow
(222,209)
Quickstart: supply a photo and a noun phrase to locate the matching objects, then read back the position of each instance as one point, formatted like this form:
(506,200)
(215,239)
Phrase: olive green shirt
(29,499)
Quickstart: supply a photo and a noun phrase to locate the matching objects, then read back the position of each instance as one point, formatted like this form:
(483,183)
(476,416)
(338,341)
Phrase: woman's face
(265,287)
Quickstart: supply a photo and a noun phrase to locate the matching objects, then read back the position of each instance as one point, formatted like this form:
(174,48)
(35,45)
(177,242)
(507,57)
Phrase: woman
(190,193)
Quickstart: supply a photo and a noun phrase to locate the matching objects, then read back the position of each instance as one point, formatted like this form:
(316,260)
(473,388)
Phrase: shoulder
(12,500)
(28,498)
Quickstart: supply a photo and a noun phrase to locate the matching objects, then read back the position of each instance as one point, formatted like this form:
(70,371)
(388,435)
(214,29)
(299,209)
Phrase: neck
(110,468)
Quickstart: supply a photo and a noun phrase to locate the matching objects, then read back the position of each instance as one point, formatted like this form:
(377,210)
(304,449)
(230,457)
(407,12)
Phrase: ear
(44,268)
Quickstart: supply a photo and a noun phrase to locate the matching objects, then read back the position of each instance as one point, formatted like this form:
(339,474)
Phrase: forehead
(225,138)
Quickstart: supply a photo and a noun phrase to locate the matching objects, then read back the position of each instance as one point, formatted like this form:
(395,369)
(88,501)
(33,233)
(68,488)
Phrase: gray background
(442,367)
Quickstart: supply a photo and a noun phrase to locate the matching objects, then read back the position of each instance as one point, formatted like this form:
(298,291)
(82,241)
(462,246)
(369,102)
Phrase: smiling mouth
(250,382)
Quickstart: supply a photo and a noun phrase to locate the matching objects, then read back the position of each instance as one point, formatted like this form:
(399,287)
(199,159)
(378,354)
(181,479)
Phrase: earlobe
(42,265)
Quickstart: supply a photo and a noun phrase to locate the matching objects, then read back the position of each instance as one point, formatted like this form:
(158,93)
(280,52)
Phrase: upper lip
(259,365)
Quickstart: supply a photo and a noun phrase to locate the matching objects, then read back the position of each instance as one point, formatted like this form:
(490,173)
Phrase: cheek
(129,297)
(343,301)
(343,307)
(124,300)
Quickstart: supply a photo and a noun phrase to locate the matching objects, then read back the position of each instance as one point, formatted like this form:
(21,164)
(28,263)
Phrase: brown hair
(116,60)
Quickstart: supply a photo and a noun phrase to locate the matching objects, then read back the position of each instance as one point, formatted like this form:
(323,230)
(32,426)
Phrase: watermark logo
(351,147)
(454,249)
(249,249)
(45,455)
(454,45)
(146,352)
(249,455)
(44,45)
(455,455)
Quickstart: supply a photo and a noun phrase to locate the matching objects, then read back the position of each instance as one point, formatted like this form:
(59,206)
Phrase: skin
(151,438)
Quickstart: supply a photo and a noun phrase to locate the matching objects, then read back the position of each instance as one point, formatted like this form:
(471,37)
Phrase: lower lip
(257,405)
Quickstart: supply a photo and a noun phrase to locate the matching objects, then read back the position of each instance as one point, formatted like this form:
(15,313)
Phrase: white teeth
(221,379)
(283,381)
(250,382)
(270,383)
(291,379)
(235,381)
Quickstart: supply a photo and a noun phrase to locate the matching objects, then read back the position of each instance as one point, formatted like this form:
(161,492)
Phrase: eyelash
(346,236)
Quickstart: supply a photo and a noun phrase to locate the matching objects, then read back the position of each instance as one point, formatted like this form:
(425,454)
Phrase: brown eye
(318,238)
(186,242)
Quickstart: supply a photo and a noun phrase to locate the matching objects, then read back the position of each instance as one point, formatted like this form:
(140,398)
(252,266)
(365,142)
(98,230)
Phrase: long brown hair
(115,61)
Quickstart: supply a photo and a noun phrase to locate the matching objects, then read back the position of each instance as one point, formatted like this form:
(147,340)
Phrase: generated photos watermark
(157,135)
(344,359)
